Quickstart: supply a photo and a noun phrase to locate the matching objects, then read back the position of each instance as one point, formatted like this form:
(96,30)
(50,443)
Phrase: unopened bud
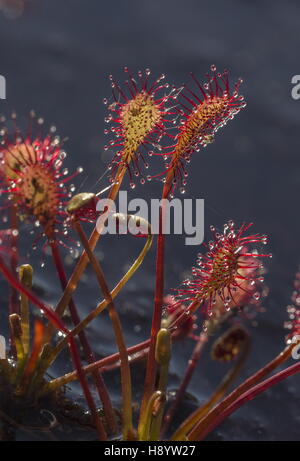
(26,274)
(163,347)
(79,201)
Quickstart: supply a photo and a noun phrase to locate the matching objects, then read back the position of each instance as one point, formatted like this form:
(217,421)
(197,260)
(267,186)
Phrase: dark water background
(56,59)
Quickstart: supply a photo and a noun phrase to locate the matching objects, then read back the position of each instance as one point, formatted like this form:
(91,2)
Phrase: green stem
(36,386)
(25,274)
(162,357)
(128,432)
(83,261)
(101,306)
(145,429)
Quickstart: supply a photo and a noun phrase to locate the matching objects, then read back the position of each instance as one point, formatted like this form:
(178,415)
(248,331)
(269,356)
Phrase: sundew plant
(154,129)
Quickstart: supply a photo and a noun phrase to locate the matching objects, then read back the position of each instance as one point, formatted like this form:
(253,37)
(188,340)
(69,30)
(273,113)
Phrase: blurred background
(56,57)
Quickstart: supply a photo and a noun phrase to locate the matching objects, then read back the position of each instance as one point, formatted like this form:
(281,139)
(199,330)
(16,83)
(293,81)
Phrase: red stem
(242,388)
(98,379)
(14,224)
(151,370)
(108,363)
(55,320)
(248,396)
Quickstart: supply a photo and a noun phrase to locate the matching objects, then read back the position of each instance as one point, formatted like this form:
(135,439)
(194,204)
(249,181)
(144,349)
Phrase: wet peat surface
(56,59)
